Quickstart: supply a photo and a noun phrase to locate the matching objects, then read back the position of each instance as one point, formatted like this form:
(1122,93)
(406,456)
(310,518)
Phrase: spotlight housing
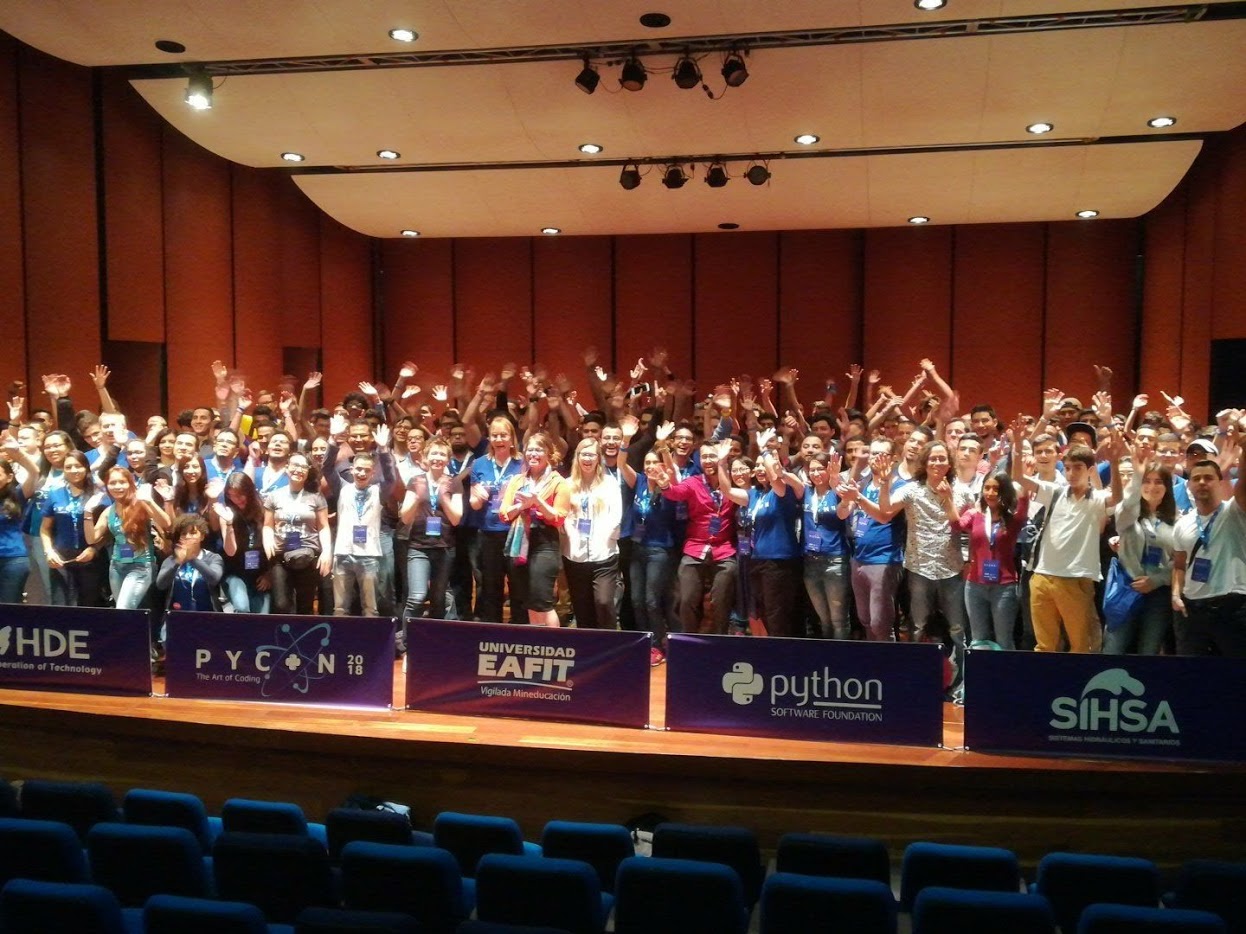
(588,79)
(629,178)
(199,91)
(1159,123)
(716,176)
(757,174)
(734,71)
(687,74)
(674,177)
(633,76)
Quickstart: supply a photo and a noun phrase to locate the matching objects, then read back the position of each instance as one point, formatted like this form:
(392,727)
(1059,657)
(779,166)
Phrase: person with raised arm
(239,517)
(489,475)
(297,538)
(590,539)
(432,509)
(127,523)
(14,495)
(824,542)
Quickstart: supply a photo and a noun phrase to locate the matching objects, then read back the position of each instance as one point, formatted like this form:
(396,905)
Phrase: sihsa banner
(854,692)
(578,675)
(330,660)
(1130,706)
(75,649)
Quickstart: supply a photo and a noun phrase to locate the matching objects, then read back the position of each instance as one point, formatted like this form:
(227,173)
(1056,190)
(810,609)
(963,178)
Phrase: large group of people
(642,504)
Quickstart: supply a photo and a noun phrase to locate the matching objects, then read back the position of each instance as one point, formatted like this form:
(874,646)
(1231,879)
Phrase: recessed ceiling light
(171,46)
(410,233)
(404,35)
(591,148)
(388,154)
(1087,214)
(728,225)
(1038,129)
(655,20)
(930,4)
(293,156)
(807,139)
(1158,123)
(919,219)
(551,231)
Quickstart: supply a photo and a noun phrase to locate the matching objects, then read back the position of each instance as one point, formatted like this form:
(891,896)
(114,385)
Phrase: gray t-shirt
(294,518)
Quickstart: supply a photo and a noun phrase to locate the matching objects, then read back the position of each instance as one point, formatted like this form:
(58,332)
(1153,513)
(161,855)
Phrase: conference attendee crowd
(646,503)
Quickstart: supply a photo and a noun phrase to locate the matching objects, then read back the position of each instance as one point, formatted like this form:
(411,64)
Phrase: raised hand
(487,384)
(590,357)
(440,392)
(383,435)
(409,391)
(601,374)
(337,425)
(245,399)
(237,384)
(854,372)
(215,487)
(508,372)
(724,451)
(164,488)
(1051,402)
(873,377)
(1102,403)
(286,402)
(220,372)
(99,375)
(369,390)
(881,464)
(222,392)
(1140,401)
(927,365)
(314,378)
(665,430)
(629,424)
(639,369)
(1104,376)
(764,437)
(224,512)
(16,404)
(408,370)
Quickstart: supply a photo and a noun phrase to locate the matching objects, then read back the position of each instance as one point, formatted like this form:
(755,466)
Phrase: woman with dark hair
(240,522)
(991,582)
(191,495)
(127,522)
(297,539)
(824,540)
(534,505)
(654,556)
(75,572)
(14,557)
(190,574)
(743,472)
(164,443)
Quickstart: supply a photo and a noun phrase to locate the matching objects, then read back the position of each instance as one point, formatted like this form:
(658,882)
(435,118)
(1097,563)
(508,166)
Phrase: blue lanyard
(1204,531)
(361,501)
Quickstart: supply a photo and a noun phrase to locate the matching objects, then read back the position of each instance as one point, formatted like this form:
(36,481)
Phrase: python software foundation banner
(854,692)
(75,649)
(1138,707)
(331,660)
(578,675)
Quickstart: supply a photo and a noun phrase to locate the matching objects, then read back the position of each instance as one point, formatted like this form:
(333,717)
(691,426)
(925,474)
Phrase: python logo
(4,639)
(742,683)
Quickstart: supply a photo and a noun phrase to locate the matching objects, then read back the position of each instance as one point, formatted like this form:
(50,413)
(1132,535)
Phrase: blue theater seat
(344,825)
(40,849)
(339,921)
(540,890)
(1071,881)
(985,868)
(422,881)
(175,914)
(602,846)
(817,854)
(471,836)
(1131,919)
(940,910)
(1213,885)
(81,805)
(280,873)
(654,895)
(250,816)
(28,906)
(797,904)
(171,809)
(736,847)
(135,862)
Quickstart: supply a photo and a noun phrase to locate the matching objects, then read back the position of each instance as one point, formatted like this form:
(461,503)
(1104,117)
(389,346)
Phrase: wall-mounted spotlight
(734,71)
(634,76)
(716,175)
(674,176)
(687,74)
(757,174)
(199,91)
(588,79)
(629,178)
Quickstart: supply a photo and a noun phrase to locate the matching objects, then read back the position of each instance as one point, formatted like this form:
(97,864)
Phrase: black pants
(695,577)
(777,585)
(494,569)
(1216,626)
(294,591)
(593,586)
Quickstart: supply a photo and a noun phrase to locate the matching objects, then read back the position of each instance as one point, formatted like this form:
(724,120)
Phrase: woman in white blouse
(590,539)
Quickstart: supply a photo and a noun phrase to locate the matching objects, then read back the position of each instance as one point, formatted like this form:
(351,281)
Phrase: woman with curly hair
(127,523)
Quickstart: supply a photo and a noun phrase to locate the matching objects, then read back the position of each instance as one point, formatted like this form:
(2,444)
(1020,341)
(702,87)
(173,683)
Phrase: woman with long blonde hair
(590,539)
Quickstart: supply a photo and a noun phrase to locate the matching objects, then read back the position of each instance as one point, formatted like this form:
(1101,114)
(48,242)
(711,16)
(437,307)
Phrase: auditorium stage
(537,771)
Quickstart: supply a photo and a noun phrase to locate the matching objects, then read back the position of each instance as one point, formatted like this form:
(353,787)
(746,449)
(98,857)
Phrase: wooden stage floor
(536,771)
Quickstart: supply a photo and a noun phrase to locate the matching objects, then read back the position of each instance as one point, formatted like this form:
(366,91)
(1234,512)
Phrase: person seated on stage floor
(190,574)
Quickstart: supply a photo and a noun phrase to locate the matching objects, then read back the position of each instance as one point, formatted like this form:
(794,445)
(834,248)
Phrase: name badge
(359,534)
(251,560)
(293,541)
(1201,571)
(745,546)
(716,524)
(990,571)
(681,511)
(126,550)
(495,499)
(638,530)
(432,526)
(859,521)
(1152,555)
(584,525)
(813,538)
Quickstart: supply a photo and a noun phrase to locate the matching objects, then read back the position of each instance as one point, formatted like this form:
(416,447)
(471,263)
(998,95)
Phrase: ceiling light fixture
(172,46)
(293,156)
(734,71)
(629,178)
(655,20)
(687,73)
(757,174)
(591,148)
(1038,129)
(929,5)
(1159,123)
(1087,214)
(674,177)
(716,176)
(634,76)
(388,154)
(728,225)
(404,35)
(199,91)
(919,219)
(807,139)
(551,231)
(588,79)
(410,233)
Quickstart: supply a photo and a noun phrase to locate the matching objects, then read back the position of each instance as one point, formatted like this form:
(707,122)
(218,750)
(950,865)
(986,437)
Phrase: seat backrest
(678,896)
(471,836)
(338,921)
(28,906)
(40,849)
(539,890)
(1214,885)
(736,847)
(497,927)
(1132,919)
(795,904)
(135,862)
(817,854)
(8,799)
(168,809)
(422,881)
(346,824)
(602,846)
(1074,880)
(81,805)
(985,868)
(942,910)
(249,816)
(280,873)
(175,914)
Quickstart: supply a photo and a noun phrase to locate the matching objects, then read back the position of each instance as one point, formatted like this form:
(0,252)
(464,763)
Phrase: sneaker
(656,657)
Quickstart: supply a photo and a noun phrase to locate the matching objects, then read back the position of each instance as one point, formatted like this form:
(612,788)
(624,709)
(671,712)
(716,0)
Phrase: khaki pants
(1067,600)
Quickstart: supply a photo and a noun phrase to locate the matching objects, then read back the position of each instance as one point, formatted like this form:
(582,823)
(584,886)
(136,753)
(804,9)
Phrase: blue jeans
(39,586)
(349,570)
(1145,633)
(992,610)
(948,595)
(874,588)
(826,582)
(129,584)
(385,575)
(244,596)
(652,569)
(428,576)
(13,573)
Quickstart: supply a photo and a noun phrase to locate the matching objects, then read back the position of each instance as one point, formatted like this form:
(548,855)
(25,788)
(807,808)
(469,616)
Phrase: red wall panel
(997,316)
(908,301)
(12,284)
(418,302)
(59,219)
(735,325)
(299,224)
(1228,296)
(653,299)
(820,307)
(1199,266)
(133,219)
(346,309)
(257,281)
(493,302)
(1159,367)
(573,306)
(199,319)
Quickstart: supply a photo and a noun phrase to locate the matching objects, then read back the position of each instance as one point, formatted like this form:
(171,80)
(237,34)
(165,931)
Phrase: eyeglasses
(301,468)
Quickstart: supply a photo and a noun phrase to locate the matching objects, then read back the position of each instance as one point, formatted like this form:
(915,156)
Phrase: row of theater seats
(160,860)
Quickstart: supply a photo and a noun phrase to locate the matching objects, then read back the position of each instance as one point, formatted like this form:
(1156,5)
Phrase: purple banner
(579,675)
(331,660)
(853,692)
(76,649)
(1122,706)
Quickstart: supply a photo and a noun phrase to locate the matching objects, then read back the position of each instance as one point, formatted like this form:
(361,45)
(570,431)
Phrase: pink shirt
(703,506)
(1005,549)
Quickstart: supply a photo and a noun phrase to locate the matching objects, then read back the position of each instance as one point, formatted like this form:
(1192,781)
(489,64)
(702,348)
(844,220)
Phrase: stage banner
(75,649)
(817,689)
(330,660)
(1129,706)
(578,675)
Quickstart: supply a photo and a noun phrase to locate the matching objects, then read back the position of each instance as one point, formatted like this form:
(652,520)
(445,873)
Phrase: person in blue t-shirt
(14,558)
(76,574)
(654,553)
(488,476)
(824,540)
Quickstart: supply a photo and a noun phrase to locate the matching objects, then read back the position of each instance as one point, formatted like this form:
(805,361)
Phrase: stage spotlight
(588,79)
(757,174)
(734,71)
(687,74)
(629,178)
(674,177)
(716,176)
(199,91)
(634,76)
